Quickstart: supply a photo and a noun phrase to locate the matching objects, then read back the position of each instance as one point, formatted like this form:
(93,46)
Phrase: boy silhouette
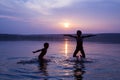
(79,39)
(43,51)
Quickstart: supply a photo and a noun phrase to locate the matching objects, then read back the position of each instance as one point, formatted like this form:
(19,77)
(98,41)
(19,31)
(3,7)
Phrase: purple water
(102,63)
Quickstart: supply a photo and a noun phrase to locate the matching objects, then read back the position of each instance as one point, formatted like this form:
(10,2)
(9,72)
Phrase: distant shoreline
(102,37)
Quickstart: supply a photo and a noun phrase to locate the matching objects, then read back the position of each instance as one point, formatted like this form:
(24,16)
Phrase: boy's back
(43,52)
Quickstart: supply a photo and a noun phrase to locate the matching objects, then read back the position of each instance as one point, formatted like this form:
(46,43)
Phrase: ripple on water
(54,68)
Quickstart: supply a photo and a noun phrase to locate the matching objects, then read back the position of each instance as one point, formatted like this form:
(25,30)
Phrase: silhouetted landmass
(105,37)
(14,37)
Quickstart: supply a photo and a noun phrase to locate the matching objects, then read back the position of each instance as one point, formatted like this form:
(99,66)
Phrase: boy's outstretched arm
(37,51)
(88,36)
(70,35)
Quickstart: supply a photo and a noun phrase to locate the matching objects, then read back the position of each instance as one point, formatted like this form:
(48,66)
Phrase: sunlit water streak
(17,62)
(66,48)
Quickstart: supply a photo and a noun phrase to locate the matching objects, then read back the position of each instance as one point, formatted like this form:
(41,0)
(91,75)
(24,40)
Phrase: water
(17,62)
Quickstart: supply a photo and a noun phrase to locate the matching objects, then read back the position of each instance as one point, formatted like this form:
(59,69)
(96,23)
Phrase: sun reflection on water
(66,48)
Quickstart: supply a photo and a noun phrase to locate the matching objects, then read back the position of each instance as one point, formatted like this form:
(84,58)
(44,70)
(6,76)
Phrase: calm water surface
(103,61)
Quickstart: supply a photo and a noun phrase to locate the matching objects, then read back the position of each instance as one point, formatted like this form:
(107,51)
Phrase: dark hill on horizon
(104,37)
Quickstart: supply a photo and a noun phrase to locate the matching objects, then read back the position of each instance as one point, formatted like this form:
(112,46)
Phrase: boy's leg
(75,52)
(83,53)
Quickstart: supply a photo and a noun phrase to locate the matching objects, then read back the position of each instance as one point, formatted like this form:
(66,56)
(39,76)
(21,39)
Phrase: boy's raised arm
(88,36)
(37,51)
(69,35)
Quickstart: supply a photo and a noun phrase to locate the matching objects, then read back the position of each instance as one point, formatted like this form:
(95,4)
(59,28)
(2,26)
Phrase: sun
(66,25)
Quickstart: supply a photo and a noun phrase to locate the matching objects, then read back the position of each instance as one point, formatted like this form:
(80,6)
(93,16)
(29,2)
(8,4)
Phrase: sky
(51,16)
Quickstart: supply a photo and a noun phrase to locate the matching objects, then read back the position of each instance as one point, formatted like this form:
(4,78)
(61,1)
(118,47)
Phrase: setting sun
(66,25)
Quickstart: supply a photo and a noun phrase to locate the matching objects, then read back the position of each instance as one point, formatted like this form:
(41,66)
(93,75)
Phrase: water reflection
(66,48)
(78,70)
(43,68)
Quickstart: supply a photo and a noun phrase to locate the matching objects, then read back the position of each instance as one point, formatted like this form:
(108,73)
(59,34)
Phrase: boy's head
(79,33)
(46,45)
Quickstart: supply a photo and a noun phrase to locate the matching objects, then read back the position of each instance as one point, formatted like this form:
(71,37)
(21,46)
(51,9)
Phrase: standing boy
(79,39)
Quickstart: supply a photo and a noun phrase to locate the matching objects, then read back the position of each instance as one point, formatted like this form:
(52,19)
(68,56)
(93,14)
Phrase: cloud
(42,6)
(9,17)
(45,6)
(38,6)
(30,10)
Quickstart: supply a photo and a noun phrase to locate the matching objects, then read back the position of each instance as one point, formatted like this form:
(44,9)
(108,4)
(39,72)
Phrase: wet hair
(46,45)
